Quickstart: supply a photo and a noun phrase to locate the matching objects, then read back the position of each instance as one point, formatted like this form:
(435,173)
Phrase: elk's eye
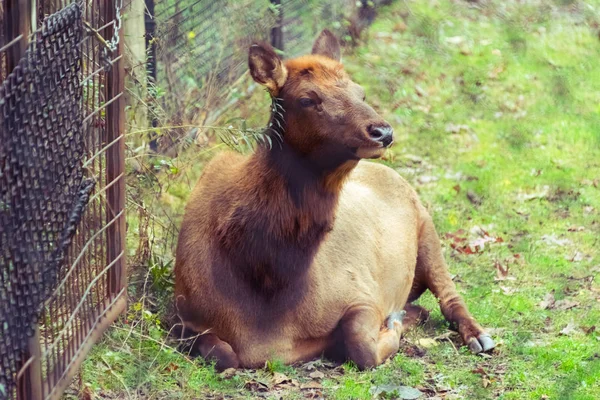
(364,97)
(306,102)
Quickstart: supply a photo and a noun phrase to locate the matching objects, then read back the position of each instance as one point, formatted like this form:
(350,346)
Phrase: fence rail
(62,190)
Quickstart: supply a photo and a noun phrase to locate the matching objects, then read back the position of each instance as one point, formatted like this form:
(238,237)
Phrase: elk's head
(325,113)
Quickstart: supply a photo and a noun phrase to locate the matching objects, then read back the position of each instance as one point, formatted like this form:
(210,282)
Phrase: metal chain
(117,26)
(109,46)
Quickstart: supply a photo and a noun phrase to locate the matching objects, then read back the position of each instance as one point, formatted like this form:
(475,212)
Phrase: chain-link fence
(198,48)
(62,192)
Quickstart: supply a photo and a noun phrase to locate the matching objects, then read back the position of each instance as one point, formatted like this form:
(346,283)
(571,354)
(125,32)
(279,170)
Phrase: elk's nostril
(381,133)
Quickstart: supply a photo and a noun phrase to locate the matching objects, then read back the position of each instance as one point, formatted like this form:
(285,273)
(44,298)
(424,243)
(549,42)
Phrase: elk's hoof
(482,343)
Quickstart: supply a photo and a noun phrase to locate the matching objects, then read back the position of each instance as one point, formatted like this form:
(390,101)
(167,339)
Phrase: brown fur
(303,249)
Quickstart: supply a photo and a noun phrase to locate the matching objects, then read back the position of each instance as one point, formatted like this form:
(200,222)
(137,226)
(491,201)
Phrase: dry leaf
(402,392)
(311,385)
(317,375)
(427,342)
(228,373)
(548,302)
(508,290)
(86,394)
(474,198)
(501,272)
(400,27)
(569,330)
(171,367)
(496,72)
(577,257)
(279,378)
(565,304)
(256,386)
(588,330)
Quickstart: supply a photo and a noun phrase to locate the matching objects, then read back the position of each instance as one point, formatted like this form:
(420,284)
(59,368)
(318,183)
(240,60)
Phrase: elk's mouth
(370,152)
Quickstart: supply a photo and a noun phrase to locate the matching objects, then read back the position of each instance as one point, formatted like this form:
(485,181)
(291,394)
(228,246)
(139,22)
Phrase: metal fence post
(150,25)
(276,31)
(115,166)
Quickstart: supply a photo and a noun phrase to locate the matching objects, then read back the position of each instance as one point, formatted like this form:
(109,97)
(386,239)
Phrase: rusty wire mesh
(61,196)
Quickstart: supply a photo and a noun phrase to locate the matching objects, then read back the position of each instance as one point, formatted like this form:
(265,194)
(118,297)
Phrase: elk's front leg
(368,342)
(214,349)
(433,273)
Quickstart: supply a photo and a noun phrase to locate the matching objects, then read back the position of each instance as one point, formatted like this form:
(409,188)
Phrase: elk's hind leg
(433,273)
(367,342)
(210,347)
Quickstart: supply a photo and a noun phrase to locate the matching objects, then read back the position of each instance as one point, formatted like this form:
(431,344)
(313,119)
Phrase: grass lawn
(496,108)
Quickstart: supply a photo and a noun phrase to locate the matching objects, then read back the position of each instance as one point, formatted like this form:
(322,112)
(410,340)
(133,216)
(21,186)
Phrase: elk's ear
(327,45)
(266,67)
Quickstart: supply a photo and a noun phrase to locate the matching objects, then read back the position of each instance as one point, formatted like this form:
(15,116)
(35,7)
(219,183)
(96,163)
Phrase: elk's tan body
(304,249)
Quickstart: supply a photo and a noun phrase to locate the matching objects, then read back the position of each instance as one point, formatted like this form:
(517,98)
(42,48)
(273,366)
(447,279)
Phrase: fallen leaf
(536,195)
(400,27)
(474,198)
(569,330)
(576,229)
(496,72)
(548,302)
(457,128)
(171,367)
(228,373)
(593,183)
(455,40)
(565,304)
(555,240)
(311,385)
(317,375)
(485,382)
(577,257)
(501,271)
(402,392)
(465,51)
(256,386)
(427,342)
(87,394)
(279,378)
(424,179)
(508,290)
(420,91)
(456,188)
(588,330)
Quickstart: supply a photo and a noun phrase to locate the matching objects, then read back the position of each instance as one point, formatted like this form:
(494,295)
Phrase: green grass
(496,108)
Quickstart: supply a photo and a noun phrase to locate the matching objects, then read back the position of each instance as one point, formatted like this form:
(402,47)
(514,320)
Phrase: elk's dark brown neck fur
(284,207)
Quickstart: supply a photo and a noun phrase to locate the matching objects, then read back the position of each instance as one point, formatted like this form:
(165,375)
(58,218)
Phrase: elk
(303,249)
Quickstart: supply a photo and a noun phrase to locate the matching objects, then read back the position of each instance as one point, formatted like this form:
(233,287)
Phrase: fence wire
(42,190)
(61,194)
(198,48)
